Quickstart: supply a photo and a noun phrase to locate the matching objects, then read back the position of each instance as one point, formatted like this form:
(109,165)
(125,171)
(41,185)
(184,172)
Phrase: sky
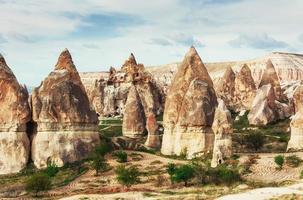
(103,33)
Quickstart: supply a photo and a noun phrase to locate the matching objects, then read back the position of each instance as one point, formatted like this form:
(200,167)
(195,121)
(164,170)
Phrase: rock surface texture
(189,109)
(223,129)
(296,125)
(270,76)
(134,117)
(245,89)
(66,125)
(14,115)
(225,89)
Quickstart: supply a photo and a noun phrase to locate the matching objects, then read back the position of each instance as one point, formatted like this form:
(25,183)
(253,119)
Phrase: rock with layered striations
(66,125)
(245,89)
(153,138)
(15,114)
(270,76)
(223,129)
(225,89)
(189,109)
(134,117)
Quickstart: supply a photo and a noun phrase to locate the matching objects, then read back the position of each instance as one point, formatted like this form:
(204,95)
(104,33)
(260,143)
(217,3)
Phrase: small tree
(279,160)
(103,148)
(255,140)
(127,176)
(293,161)
(121,156)
(99,164)
(37,183)
(171,169)
(183,174)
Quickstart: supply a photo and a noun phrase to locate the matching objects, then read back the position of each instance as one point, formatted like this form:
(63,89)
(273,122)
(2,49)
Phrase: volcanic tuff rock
(296,124)
(15,114)
(189,109)
(153,138)
(66,125)
(134,118)
(223,129)
(245,89)
(271,77)
(226,87)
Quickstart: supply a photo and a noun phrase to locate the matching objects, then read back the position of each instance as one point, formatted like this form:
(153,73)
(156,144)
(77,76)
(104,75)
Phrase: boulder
(270,76)
(223,129)
(245,89)
(67,127)
(189,109)
(225,88)
(15,114)
(134,118)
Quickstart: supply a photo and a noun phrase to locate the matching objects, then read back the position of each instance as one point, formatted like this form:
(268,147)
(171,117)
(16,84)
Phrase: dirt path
(266,193)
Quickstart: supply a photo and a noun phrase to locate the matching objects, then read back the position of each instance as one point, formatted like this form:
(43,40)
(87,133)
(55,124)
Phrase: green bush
(37,183)
(183,173)
(171,169)
(51,169)
(255,140)
(103,148)
(293,161)
(226,175)
(127,176)
(279,160)
(121,156)
(301,174)
(99,164)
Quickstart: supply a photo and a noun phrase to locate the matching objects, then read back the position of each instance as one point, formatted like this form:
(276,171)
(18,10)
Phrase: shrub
(255,140)
(301,174)
(171,169)
(293,161)
(103,148)
(226,175)
(37,183)
(121,156)
(127,176)
(183,173)
(51,169)
(99,164)
(279,160)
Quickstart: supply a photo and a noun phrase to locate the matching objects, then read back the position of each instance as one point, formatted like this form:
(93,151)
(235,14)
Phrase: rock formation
(264,108)
(189,109)
(15,114)
(245,89)
(153,138)
(66,125)
(223,129)
(226,87)
(271,77)
(134,118)
(296,125)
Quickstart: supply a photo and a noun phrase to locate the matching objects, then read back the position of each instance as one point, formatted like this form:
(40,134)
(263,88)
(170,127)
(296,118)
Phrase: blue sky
(102,33)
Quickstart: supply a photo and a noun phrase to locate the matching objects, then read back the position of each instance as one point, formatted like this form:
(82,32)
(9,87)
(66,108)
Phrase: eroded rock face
(264,107)
(270,76)
(189,109)
(66,125)
(296,125)
(15,113)
(153,138)
(223,129)
(134,117)
(225,88)
(245,89)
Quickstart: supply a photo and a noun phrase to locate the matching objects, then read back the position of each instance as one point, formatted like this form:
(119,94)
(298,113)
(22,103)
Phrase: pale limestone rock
(66,124)
(134,119)
(222,127)
(189,109)
(245,89)
(15,114)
